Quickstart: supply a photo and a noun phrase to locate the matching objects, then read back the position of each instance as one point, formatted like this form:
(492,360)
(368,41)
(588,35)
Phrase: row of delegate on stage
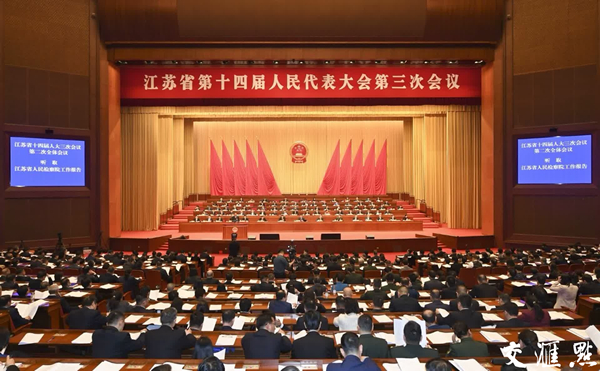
(282,218)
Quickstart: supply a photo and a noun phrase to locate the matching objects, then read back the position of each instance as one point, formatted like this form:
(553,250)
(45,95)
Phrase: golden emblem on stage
(299,152)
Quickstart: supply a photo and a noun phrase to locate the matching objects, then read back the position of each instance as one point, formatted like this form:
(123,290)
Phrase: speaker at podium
(240,228)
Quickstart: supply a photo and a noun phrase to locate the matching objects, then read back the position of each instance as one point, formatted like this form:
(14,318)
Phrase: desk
(240,228)
(290,226)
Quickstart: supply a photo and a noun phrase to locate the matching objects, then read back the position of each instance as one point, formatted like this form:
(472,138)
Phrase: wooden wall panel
(49,60)
(556,215)
(552,82)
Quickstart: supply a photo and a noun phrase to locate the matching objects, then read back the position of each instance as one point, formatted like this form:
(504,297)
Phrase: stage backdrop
(319,136)
(433,152)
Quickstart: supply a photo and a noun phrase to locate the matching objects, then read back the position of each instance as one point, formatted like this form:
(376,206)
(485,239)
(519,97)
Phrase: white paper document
(221,354)
(545,336)
(238,323)
(154,294)
(493,337)
(212,295)
(439,337)
(443,312)
(383,319)
(153,321)
(133,318)
(559,315)
(467,365)
(594,335)
(187,306)
(76,294)
(135,335)
(581,333)
(410,364)
(36,294)
(300,335)
(209,324)
(491,317)
(109,366)
(215,307)
(159,306)
(292,298)
(226,340)
(107,286)
(85,338)
(245,288)
(235,296)
(338,337)
(31,339)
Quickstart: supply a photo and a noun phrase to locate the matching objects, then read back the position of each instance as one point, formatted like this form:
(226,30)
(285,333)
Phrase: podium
(240,228)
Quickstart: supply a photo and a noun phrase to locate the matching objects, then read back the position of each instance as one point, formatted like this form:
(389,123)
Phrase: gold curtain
(188,158)
(202,159)
(165,163)
(418,160)
(407,157)
(139,156)
(178,162)
(434,159)
(464,175)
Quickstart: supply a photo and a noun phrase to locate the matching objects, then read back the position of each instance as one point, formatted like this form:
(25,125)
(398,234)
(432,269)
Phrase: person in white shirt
(348,321)
(566,292)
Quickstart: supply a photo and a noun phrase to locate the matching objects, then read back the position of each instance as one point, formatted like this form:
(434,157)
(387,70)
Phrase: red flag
(239,171)
(369,172)
(346,171)
(356,185)
(266,181)
(228,178)
(251,172)
(381,171)
(216,172)
(331,181)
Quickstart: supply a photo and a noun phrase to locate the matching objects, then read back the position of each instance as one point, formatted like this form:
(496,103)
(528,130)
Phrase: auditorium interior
(223,185)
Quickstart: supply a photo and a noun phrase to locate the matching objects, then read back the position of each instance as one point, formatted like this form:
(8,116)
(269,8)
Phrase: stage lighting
(275,62)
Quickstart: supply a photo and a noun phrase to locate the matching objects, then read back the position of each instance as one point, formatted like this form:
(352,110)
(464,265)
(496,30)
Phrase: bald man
(53,293)
(347,292)
(210,278)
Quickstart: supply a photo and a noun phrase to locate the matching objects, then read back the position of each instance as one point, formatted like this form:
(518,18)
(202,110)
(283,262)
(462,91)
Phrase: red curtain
(346,171)
(369,172)
(381,171)
(331,181)
(266,181)
(216,172)
(239,171)
(251,172)
(228,177)
(356,185)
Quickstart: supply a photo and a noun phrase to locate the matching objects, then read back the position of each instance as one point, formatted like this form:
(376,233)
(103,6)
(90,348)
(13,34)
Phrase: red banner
(299,82)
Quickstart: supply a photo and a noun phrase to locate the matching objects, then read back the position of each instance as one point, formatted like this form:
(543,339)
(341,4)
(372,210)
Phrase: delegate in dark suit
(112,343)
(353,363)
(313,346)
(166,342)
(85,319)
(472,318)
(374,347)
(437,304)
(130,283)
(484,290)
(413,350)
(468,348)
(513,322)
(265,345)
(299,326)
(405,304)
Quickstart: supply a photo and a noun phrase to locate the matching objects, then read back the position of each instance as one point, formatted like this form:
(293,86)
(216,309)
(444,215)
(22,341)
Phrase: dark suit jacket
(353,363)
(263,288)
(468,348)
(370,295)
(278,306)
(515,322)
(111,343)
(130,284)
(449,293)
(314,346)
(299,326)
(166,342)
(437,304)
(405,304)
(354,278)
(107,278)
(374,347)
(411,351)
(265,345)
(472,318)
(10,286)
(86,319)
(64,304)
(140,309)
(16,318)
(484,290)
(454,305)
(433,284)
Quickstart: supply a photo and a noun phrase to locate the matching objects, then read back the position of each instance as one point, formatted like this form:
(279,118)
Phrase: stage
(396,241)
